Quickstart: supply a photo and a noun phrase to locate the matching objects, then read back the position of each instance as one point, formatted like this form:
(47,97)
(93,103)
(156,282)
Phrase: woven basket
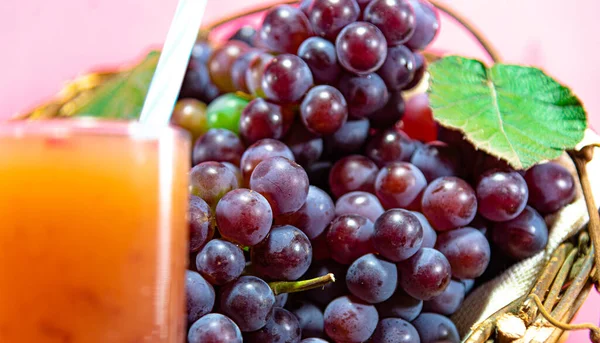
(546,290)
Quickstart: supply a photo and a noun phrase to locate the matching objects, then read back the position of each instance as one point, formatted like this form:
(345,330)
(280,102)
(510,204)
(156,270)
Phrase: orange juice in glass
(93,234)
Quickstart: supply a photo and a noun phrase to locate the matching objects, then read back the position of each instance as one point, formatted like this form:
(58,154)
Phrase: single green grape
(190,114)
(225,111)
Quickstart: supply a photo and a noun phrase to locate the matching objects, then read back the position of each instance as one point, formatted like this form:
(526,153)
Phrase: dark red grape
(429,234)
(551,187)
(522,237)
(261,119)
(372,279)
(282,182)
(239,67)
(254,73)
(283,327)
(220,262)
(323,110)
(390,114)
(286,79)
(284,29)
(395,18)
(435,328)
(211,181)
(501,194)
(418,121)
(260,151)
(305,6)
(244,217)
(436,159)
(305,145)
(324,295)
(467,250)
(395,330)
(420,67)
(329,17)
(400,305)
(390,146)
(362,4)
(427,24)
(320,248)
(449,301)
(248,301)
(399,184)
(200,223)
(314,216)
(352,173)
(364,94)
(218,145)
(398,234)
(199,295)
(425,275)
(361,203)
(349,237)
(221,61)
(448,203)
(313,340)
(349,138)
(348,319)
(399,67)
(310,318)
(236,171)
(246,34)
(214,328)
(321,58)
(361,47)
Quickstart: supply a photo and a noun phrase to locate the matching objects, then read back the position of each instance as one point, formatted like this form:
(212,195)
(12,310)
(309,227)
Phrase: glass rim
(87,126)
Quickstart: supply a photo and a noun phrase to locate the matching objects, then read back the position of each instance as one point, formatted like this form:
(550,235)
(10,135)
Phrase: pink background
(45,43)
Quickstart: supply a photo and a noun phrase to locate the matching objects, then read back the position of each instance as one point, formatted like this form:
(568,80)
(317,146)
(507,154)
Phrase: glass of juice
(93,232)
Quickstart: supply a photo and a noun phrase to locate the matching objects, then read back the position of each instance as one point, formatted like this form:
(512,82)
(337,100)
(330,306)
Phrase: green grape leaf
(516,113)
(121,97)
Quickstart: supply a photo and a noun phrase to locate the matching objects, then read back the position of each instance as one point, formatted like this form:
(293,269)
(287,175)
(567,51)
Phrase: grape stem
(280,287)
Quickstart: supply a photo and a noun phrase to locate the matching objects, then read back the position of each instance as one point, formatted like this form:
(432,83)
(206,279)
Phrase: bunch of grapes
(309,163)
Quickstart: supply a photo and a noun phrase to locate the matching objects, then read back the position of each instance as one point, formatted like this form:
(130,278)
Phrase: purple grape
(419,68)
(352,173)
(323,110)
(211,181)
(200,223)
(361,203)
(236,171)
(390,114)
(248,301)
(321,58)
(196,79)
(551,187)
(260,151)
(281,299)
(429,234)
(283,327)
(261,119)
(395,18)
(255,71)
(214,328)
(399,67)
(522,237)
(246,34)
(221,62)
(372,279)
(347,319)
(364,94)
(467,250)
(395,330)
(244,217)
(282,182)
(324,295)
(399,184)
(400,305)
(286,79)
(313,340)
(310,318)
(398,234)
(349,237)
(468,283)
(199,295)
(351,137)
(285,254)
(201,52)
(305,145)
(390,146)
(449,301)
(239,67)
(425,275)
(284,29)
(219,145)
(361,47)
(501,195)
(427,24)
(329,17)
(314,216)
(220,262)
(448,203)
(435,328)
(436,159)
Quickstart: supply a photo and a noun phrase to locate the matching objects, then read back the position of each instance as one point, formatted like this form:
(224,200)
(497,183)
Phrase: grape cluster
(308,162)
